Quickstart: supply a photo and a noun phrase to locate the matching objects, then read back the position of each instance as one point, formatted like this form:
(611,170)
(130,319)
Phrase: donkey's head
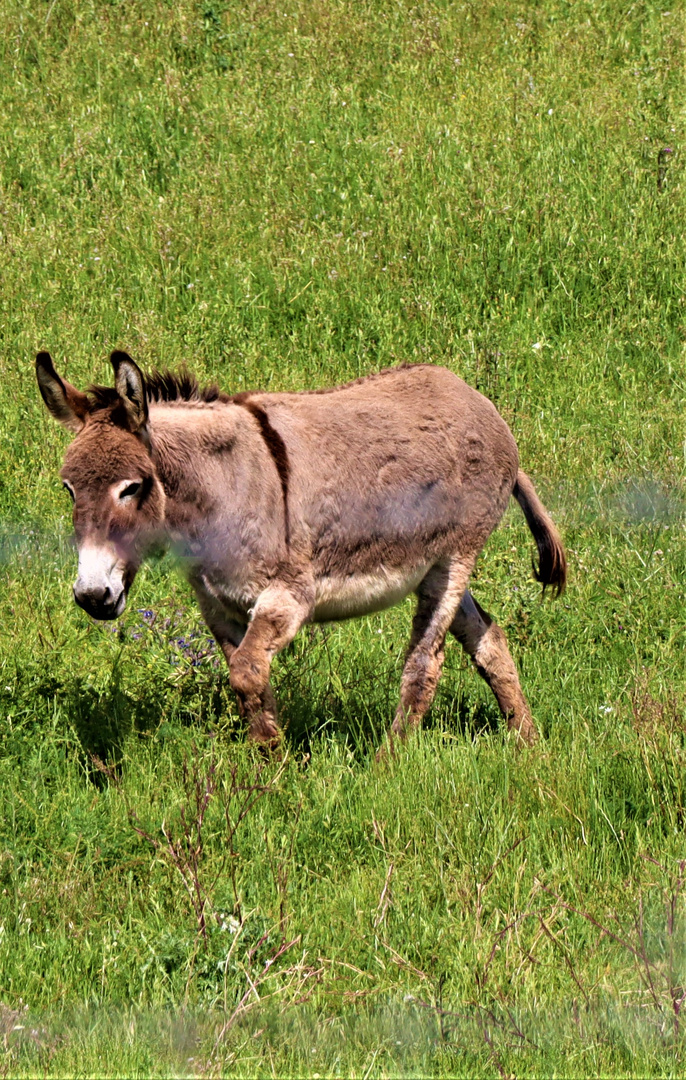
(109,473)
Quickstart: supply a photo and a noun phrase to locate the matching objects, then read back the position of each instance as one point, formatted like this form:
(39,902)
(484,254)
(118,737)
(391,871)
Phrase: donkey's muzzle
(100,603)
(100,586)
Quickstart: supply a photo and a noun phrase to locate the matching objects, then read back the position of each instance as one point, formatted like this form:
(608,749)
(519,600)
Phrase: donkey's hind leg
(485,642)
(439,597)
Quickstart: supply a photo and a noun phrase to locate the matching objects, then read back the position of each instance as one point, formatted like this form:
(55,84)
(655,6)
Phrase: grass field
(287,196)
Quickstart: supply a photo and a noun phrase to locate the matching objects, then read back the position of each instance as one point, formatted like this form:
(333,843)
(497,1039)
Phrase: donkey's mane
(180,386)
(162,386)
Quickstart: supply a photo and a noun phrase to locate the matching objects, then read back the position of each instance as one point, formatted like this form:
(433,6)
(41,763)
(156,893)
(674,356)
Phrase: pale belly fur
(360,594)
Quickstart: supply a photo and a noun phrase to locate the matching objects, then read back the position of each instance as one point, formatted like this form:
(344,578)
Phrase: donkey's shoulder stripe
(276,447)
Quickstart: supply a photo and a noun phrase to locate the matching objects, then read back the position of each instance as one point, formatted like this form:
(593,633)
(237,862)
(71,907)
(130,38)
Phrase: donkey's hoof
(266,734)
(524,731)
(389,748)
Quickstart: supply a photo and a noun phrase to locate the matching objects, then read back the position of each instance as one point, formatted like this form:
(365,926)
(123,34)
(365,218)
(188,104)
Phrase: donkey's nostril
(94,594)
(98,600)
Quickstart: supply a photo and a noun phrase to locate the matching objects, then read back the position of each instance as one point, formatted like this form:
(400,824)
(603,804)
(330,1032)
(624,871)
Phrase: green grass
(288,196)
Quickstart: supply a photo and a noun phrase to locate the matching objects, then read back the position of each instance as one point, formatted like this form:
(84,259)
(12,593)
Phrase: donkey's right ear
(64,401)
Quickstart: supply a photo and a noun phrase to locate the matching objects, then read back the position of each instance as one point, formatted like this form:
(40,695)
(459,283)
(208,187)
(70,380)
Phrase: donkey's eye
(130,490)
(69,488)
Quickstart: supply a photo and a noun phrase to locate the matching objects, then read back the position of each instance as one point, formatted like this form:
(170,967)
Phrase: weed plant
(288,196)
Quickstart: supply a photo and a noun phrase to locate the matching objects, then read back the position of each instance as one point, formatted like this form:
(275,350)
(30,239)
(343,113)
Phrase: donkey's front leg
(276,618)
(260,711)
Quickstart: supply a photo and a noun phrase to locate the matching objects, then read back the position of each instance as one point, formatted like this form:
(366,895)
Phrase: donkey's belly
(344,597)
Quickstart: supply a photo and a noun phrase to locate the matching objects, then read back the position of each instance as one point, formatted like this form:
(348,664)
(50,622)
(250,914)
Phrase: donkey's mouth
(101,608)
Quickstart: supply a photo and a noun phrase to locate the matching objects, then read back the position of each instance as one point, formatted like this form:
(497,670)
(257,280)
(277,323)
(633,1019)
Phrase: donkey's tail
(552,563)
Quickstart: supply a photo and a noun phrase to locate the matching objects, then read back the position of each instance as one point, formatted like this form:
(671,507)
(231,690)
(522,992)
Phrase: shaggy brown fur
(294,508)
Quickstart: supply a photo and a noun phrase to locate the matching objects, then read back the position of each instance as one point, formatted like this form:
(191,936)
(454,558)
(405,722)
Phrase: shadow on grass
(363,724)
(104,718)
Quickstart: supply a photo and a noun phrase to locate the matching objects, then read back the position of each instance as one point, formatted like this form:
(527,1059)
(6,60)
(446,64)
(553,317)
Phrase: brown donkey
(296,508)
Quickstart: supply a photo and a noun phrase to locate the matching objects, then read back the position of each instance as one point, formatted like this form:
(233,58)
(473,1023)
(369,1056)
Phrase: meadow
(286,196)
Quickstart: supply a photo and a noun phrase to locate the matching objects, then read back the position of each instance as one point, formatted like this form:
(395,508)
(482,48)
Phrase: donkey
(292,508)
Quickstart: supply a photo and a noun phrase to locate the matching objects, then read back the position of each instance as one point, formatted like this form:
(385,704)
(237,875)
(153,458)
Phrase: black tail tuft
(552,563)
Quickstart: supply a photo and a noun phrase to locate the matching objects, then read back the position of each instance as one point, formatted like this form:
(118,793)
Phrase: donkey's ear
(128,382)
(64,401)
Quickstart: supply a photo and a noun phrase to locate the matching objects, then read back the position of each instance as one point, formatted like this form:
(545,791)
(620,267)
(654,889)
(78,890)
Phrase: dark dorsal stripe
(275,445)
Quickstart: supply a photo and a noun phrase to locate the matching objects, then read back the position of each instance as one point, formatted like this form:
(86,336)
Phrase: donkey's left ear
(128,382)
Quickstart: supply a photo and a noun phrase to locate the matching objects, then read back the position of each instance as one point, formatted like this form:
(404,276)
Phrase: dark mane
(162,386)
(180,386)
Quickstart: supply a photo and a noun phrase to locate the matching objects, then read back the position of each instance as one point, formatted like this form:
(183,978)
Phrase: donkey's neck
(188,439)
(210,459)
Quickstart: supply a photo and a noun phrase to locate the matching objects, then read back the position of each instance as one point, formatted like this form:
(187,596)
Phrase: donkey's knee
(276,618)
(248,672)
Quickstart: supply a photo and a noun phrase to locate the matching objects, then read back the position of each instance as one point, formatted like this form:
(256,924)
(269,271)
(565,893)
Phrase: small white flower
(537,345)
(550,112)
